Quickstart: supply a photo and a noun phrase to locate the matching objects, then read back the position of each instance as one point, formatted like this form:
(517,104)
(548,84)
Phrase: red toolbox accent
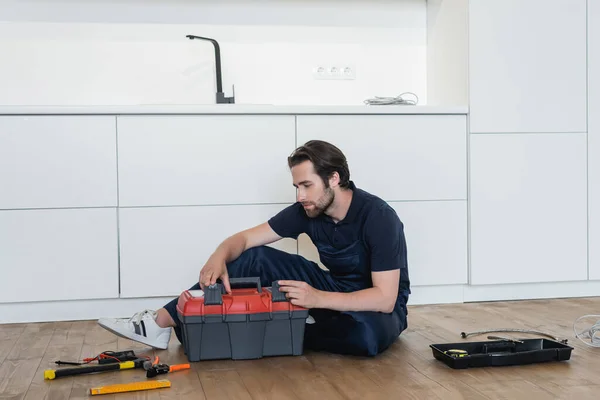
(251,322)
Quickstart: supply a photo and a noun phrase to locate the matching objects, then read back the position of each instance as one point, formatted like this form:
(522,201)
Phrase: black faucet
(221,99)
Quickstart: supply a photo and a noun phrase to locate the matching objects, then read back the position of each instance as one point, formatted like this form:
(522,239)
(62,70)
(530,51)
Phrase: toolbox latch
(213,295)
(276,295)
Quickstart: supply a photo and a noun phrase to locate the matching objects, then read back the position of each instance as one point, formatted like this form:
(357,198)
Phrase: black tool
(106,357)
(153,370)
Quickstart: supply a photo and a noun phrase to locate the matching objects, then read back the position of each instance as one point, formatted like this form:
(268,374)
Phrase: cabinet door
(68,254)
(164,248)
(206,159)
(406,157)
(528,208)
(527,65)
(57,161)
(436,240)
(594,138)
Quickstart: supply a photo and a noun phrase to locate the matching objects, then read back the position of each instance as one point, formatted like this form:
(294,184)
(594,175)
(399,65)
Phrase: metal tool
(154,369)
(465,335)
(505,339)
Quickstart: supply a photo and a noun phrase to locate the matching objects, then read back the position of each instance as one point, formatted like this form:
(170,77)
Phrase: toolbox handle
(253,282)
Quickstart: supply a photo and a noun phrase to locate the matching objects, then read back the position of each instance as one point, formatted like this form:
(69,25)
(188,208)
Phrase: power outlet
(335,72)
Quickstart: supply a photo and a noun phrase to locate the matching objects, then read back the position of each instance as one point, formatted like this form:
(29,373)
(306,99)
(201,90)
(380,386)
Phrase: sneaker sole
(133,336)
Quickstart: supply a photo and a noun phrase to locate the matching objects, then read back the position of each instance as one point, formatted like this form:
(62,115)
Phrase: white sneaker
(141,327)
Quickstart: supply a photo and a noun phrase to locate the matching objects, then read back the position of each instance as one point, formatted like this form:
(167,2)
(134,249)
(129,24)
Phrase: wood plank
(223,384)
(59,388)
(521,389)
(16,377)
(264,382)
(9,335)
(33,342)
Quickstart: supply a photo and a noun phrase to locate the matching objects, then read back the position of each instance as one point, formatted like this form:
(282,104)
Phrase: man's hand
(379,298)
(213,270)
(301,294)
(230,249)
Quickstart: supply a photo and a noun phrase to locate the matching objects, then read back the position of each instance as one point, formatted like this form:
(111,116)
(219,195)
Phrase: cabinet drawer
(528,66)
(406,157)
(436,240)
(171,244)
(57,161)
(199,160)
(48,255)
(528,208)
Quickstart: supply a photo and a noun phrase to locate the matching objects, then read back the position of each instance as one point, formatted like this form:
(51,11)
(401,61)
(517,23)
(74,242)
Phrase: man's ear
(334,179)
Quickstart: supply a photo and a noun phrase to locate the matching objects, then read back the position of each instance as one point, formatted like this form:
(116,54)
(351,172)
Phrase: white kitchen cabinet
(57,161)
(436,240)
(205,159)
(398,157)
(528,208)
(594,138)
(527,66)
(61,254)
(164,248)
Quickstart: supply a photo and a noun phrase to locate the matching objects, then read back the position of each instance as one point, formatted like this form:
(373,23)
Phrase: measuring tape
(131,387)
(456,353)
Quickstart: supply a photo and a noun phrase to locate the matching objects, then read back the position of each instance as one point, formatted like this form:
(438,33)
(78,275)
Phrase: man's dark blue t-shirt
(369,238)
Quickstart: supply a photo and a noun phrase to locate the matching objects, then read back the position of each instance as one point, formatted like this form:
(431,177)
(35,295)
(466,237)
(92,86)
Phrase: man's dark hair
(326,159)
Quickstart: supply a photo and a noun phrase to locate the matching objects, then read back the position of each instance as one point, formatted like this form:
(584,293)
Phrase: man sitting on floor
(358,305)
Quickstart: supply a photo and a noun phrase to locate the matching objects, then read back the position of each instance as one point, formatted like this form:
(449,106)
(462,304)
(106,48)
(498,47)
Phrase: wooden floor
(406,371)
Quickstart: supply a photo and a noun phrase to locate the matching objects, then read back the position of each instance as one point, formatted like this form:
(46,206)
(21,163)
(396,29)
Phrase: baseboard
(421,295)
(443,294)
(550,290)
(75,310)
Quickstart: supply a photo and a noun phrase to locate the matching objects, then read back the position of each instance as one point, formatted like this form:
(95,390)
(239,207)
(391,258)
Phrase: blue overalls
(353,333)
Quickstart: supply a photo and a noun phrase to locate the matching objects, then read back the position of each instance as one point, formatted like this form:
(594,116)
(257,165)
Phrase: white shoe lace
(137,317)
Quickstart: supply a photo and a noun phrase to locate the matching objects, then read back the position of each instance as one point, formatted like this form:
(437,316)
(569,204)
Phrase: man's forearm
(230,249)
(371,299)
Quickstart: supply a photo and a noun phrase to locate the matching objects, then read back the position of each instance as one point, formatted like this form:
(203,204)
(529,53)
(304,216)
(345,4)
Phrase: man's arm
(289,222)
(381,297)
(230,249)
(385,237)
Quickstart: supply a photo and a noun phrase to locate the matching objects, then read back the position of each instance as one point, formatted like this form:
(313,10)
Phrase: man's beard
(322,204)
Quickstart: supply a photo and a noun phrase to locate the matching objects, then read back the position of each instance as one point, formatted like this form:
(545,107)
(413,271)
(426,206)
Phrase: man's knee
(365,334)
(246,263)
(375,332)
(253,261)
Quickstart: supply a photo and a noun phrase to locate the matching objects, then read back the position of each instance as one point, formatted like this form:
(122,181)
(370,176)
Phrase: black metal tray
(501,353)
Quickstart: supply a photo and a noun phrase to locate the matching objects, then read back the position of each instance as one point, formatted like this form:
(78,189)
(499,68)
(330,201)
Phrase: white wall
(135,52)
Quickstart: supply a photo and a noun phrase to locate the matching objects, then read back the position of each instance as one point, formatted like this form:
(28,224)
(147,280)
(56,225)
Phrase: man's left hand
(301,294)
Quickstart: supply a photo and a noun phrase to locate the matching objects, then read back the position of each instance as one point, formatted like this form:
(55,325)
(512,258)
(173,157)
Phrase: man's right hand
(231,248)
(213,270)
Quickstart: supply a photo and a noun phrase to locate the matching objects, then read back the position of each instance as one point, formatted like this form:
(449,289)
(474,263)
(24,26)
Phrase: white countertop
(228,109)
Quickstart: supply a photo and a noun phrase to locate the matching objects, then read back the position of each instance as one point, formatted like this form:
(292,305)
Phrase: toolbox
(500,353)
(249,323)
